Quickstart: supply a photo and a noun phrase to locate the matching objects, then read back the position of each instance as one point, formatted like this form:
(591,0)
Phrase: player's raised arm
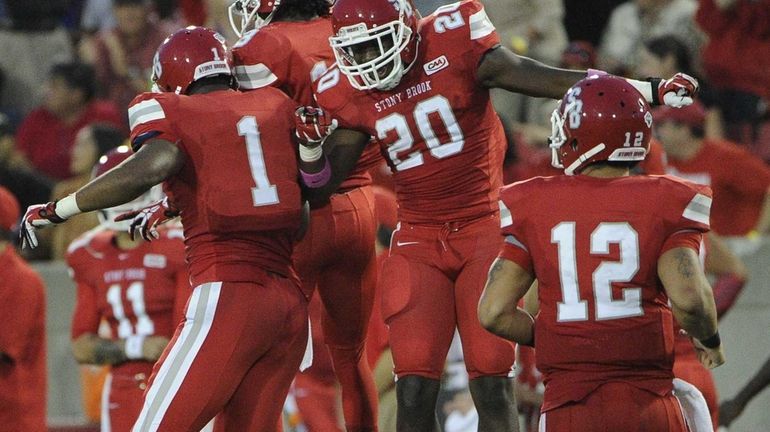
(501,68)
(327,154)
(692,301)
(149,166)
(507,283)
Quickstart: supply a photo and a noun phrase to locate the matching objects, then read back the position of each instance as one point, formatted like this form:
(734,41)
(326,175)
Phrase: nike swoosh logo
(398,243)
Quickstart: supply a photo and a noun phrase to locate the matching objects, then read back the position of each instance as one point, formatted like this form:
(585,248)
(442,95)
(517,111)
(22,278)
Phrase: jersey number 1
(572,307)
(264,193)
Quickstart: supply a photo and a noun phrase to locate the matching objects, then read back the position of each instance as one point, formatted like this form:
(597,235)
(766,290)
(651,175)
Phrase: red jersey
(594,244)
(739,179)
(139,292)
(290,55)
(238,190)
(437,128)
(23,377)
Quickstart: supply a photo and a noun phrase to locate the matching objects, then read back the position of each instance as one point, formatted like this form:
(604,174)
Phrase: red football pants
(431,283)
(122,397)
(337,257)
(617,407)
(315,389)
(236,353)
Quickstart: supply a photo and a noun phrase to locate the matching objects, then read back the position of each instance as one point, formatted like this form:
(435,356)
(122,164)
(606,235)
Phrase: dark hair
(221,79)
(667,45)
(303,9)
(106,137)
(77,75)
(615,164)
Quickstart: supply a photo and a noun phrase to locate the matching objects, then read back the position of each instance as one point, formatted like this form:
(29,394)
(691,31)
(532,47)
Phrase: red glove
(677,91)
(37,216)
(313,125)
(147,220)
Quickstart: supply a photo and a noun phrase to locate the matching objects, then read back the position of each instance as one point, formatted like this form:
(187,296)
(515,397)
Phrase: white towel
(696,412)
(307,359)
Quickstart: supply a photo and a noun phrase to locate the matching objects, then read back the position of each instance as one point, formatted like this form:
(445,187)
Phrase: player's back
(594,245)
(437,128)
(238,191)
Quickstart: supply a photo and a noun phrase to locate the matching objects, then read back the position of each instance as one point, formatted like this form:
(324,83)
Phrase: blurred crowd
(69,68)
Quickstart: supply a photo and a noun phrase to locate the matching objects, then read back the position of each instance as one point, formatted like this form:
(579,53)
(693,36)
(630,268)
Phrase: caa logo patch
(155,261)
(436,65)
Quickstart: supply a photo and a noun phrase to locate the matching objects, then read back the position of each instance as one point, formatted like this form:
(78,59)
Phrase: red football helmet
(601,118)
(188,55)
(107,162)
(244,13)
(389,26)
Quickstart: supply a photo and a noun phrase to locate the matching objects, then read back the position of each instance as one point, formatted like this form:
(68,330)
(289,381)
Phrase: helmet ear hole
(573,144)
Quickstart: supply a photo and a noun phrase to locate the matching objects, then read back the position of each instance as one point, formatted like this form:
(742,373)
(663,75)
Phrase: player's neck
(294,18)
(208,88)
(123,241)
(3,246)
(605,171)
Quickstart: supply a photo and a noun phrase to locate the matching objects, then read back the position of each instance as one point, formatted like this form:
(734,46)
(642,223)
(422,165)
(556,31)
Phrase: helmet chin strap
(570,170)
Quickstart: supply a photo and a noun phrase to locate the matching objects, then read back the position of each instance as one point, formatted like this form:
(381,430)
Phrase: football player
(421,88)
(288,48)
(229,164)
(139,288)
(607,262)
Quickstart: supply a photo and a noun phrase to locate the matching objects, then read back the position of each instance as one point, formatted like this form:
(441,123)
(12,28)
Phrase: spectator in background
(22,338)
(122,56)
(47,134)
(26,184)
(34,43)
(532,28)
(666,53)
(636,21)
(739,180)
(91,142)
(738,30)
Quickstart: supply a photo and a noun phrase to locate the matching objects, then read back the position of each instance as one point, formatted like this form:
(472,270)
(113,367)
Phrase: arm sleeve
(480,29)
(147,118)
(513,230)
(262,59)
(689,215)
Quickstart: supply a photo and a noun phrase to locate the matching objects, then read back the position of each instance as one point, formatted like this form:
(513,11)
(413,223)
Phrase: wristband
(310,154)
(648,89)
(67,207)
(318,179)
(711,342)
(134,347)
(595,72)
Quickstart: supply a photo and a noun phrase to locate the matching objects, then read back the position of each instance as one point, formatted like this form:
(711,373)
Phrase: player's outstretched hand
(147,220)
(313,125)
(678,91)
(37,216)
(709,357)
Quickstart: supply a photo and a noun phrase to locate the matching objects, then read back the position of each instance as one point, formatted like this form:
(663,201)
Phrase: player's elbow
(490,313)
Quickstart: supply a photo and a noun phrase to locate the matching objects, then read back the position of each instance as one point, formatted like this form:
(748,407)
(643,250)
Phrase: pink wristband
(595,72)
(318,179)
